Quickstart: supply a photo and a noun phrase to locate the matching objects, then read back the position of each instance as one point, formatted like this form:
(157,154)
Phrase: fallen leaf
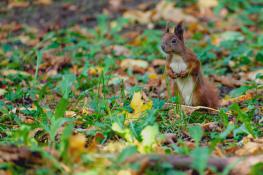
(149,135)
(163,10)
(2,92)
(125,172)
(87,111)
(227,81)
(121,50)
(117,80)
(95,70)
(206,5)
(7,72)
(70,114)
(94,143)
(167,11)
(138,105)
(227,101)
(115,4)
(139,16)
(17,4)
(76,146)
(43,2)
(253,76)
(27,40)
(135,65)
(158,62)
(251,146)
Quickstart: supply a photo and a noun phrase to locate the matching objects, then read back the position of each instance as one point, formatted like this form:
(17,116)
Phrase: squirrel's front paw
(171,74)
(183,74)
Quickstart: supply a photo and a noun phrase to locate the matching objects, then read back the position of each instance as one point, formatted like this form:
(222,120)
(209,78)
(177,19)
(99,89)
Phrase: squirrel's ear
(179,31)
(167,27)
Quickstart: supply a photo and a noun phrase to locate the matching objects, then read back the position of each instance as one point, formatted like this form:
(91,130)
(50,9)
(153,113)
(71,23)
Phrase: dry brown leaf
(227,81)
(248,96)
(211,126)
(115,4)
(130,35)
(94,143)
(70,114)
(27,40)
(167,11)
(43,2)
(135,65)
(6,72)
(121,50)
(140,16)
(17,4)
(158,62)
(116,79)
(250,146)
(252,76)
(206,5)
(164,10)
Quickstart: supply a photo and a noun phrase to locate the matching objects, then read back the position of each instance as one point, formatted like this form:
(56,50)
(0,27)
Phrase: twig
(195,108)
(241,165)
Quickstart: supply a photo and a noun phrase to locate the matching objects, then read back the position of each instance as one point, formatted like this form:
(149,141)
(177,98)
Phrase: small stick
(194,108)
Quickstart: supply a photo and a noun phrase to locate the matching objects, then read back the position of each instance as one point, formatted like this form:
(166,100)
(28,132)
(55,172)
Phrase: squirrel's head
(173,42)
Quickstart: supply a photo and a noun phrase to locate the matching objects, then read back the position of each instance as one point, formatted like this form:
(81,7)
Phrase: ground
(83,88)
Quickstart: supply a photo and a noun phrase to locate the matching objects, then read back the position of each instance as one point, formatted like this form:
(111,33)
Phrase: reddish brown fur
(205,93)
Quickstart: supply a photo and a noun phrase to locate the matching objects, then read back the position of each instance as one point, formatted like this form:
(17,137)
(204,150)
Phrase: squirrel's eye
(173,41)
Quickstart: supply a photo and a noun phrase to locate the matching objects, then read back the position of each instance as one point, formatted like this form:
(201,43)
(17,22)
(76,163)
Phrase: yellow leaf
(77,144)
(138,105)
(136,102)
(207,3)
(125,172)
(95,70)
(153,76)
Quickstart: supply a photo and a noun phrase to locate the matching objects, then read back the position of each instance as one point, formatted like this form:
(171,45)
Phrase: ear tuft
(179,31)
(167,27)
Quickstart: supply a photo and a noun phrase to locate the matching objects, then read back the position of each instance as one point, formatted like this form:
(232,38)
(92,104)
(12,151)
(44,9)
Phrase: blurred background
(83,83)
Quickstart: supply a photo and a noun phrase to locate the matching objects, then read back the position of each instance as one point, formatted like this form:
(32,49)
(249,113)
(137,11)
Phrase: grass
(69,109)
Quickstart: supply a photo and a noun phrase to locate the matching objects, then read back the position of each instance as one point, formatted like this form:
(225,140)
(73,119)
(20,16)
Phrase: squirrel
(184,69)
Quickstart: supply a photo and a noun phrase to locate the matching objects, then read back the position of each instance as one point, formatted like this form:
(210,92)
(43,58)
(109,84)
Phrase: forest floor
(83,88)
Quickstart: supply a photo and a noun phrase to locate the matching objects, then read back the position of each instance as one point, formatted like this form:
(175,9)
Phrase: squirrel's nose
(162,46)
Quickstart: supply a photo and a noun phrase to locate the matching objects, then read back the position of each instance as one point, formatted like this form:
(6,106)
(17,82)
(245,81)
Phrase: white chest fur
(185,85)
(177,64)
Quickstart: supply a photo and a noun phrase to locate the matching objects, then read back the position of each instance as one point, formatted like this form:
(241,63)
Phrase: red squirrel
(184,69)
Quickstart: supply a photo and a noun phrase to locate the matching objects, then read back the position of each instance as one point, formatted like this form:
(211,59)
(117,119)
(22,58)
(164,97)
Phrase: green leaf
(196,133)
(232,36)
(200,157)
(127,152)
(66,84)
(239,91)
(123,132)
(256,169)
(61,108)
(39,59)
